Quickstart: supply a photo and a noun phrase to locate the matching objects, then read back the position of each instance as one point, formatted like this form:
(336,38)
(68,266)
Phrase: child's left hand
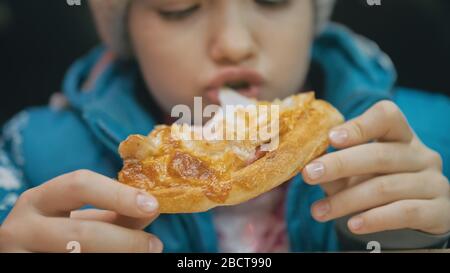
(384,172)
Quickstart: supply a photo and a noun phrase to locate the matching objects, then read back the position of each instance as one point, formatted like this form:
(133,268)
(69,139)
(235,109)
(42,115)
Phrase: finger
(423,215)
(10,242)
(53,235)
(384,121)
(77,189)
(362,160)
(113,217)
(333,187)
(377,192)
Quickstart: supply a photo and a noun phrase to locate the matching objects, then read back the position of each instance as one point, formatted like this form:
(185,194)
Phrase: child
(384,181)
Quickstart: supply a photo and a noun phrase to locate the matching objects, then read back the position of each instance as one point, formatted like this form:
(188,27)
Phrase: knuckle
(412,212)
(382,156)
(339,164)
(358,129)
(80,175)
(27,196)
(383,188)
(78,180)
(434,159)
(387,108)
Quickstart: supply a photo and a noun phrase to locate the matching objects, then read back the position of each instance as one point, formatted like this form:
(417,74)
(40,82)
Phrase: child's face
(188,48)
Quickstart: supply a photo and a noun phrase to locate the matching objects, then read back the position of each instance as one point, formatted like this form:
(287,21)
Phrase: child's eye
(271,3)
(179,13)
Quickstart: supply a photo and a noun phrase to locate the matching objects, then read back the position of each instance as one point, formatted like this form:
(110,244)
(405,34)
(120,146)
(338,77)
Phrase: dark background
(40,39)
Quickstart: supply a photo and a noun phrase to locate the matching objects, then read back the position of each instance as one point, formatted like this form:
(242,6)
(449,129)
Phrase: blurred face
(188,48)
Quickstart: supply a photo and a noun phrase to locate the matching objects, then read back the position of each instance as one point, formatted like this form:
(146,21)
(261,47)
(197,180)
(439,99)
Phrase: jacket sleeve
(12,178)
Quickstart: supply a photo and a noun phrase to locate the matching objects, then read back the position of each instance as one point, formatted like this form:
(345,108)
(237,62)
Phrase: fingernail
(321,208)
(356,223)
(146,203)
(155,246)
(315,170)
(338,136)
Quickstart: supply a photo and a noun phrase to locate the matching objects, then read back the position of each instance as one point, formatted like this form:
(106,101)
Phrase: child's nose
(232,40)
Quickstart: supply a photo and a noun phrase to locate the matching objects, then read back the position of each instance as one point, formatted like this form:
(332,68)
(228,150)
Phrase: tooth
(229,97)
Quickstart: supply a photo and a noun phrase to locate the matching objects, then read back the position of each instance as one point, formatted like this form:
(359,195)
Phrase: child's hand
(43,219)
(396,180)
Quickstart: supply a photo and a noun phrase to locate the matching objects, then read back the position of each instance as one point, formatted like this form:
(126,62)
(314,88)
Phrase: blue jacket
(43,142)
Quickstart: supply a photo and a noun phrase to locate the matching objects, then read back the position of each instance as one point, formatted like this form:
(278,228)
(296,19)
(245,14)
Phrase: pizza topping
(134,174)
(188,167)
(218,192)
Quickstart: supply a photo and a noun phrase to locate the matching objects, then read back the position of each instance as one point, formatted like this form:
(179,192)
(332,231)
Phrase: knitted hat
(110,18)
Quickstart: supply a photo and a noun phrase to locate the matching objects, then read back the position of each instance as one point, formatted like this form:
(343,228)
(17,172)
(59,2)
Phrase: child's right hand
(43,218)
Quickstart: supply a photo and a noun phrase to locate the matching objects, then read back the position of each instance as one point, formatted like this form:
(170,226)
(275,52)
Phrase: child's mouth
(244,81)
(239,85)
(243,88)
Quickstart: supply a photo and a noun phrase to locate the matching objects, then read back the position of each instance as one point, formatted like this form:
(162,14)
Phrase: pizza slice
(188,172)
